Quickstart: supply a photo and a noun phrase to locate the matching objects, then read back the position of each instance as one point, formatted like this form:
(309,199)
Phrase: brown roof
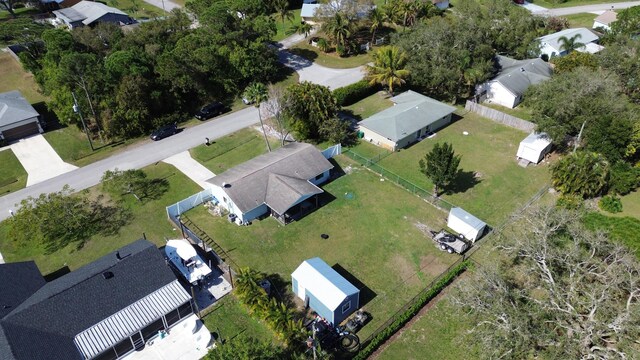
(607,17)
(277,179)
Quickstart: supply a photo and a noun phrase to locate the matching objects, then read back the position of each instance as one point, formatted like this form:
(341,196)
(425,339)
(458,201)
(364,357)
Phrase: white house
(17,117)
(605,20)
(282,183)
(534,147)
(311,8)
(466,224)
(328,293)
(86,13)
(550,45)
(412,117)
(513,80)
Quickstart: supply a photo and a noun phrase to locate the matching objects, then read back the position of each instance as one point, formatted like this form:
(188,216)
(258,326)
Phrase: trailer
(449,242)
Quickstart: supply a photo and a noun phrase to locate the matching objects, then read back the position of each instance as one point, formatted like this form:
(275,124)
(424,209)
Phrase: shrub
(611,204)
(570,202)
(403,318)
(624,178)
(355,92)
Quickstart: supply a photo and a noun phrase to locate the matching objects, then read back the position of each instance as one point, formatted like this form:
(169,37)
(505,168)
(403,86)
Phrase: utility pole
(575,145)
(76,109)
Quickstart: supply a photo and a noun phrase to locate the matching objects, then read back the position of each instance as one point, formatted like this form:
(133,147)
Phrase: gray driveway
(138,157)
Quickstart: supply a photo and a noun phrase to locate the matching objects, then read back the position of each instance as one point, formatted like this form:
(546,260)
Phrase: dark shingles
(18,281)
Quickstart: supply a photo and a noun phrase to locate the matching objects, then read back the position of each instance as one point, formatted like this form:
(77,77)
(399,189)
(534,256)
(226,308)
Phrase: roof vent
(107,274)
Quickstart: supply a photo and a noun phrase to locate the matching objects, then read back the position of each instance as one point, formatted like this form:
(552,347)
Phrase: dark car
(211,110)
(164,132)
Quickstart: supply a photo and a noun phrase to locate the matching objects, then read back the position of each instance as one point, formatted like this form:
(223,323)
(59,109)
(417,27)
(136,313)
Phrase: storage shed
(466,224)
(534,147)
(327,292)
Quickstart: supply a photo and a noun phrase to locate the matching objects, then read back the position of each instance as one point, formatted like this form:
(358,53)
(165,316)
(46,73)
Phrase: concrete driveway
(309,71)
(191,168)
(39,159)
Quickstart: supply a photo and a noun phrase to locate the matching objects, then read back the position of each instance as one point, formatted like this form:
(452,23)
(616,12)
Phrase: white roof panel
(538,141)
(329,287)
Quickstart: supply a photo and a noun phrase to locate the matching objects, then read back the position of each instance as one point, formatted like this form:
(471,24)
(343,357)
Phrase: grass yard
(148,217)
(13,176)
(581,20)
(282,28)
(373,234)
(137,8)
(370,105)
(229,319)
(625,230)
(21,12)
(520,111)
(14,77)
(330,60)
(490,184)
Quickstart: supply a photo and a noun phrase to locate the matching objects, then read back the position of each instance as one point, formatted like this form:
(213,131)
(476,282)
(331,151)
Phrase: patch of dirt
(425,229)
(404,269)
(418,316)
(432,265)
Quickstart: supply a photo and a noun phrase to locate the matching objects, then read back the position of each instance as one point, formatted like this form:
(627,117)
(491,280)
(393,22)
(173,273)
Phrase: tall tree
(570,44)
(309,107)
(581,173)
(627,22)
(302,28)
(283,11)
(440,165)
(388,67)
(256,93)
(561,292)
(376,18)
(339,29)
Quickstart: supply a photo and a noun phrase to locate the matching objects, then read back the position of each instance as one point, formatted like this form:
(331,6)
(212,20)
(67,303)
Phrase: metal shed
(534,147)
(466,224)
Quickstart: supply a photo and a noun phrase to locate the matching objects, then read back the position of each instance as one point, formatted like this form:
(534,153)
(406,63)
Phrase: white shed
(534,147)
(466,224)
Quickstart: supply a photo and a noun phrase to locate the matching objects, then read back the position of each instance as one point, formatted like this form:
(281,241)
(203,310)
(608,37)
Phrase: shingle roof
(517,75)
(329,287)
(412,111)
(44,326)
(586,36)
(606,17)
(14,108)
(18,281)
(273,178)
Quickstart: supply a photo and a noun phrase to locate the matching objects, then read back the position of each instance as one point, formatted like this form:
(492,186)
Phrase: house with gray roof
(513,79)
(411,118)
(87,13)
(282,183)
(105,310)
(18,118)
(605,20)
(551,45)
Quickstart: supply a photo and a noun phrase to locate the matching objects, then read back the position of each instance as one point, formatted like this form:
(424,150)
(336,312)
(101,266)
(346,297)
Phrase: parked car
(211,110)
(164,132)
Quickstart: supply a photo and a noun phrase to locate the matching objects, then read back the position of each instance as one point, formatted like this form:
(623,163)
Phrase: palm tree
(338,28)
(256,93)
(581,173)
(282,11)
(376,16)
(393,11)
(323,45)
(388,67)
(570,44)
(303,28)
(410,11)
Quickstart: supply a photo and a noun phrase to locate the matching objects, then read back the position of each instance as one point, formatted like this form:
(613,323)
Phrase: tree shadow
(154,189)
(366,294)
(305,53)
(464,181)
(57,273)
(282,289)
(48,119)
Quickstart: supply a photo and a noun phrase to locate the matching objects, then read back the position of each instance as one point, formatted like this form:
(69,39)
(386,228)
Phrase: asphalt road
(140,156)
(587,8)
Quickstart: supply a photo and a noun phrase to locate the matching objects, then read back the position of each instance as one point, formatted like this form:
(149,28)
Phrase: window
(185,310)
(346,307)
(172,317)
(123,347)
(152,329)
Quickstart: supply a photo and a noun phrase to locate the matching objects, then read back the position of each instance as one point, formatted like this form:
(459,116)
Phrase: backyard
(490,184)
(376,233)
(15,78)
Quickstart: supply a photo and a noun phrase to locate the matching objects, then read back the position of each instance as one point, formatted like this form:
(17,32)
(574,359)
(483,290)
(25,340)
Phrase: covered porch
(298,210)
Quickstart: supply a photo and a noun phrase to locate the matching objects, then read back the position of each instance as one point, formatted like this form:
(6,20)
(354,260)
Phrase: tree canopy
(440,165)
(309,108)
(582,173)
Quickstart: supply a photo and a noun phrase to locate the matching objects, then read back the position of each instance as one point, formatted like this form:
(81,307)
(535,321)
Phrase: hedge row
(403,318)
(355,92)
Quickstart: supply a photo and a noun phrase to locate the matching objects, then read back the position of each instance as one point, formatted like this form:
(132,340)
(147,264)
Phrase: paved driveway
(39,159)
(191,168)
(309,71)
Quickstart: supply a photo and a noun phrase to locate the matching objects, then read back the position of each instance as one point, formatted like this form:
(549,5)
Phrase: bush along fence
(372,165)
(500,117)
(355,92)
(400,318)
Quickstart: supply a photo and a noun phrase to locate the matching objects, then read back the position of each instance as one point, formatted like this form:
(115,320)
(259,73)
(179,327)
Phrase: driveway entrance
(39,159)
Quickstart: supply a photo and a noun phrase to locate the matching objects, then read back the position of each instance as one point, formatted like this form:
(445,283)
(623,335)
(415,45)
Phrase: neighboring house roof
(329,287)
(606,17)
(18,281)
(517,75)
(276,179)
(590,48)
(586,36)
(15,108)
(412,111)
(45,325)
(87,12)
(308,10)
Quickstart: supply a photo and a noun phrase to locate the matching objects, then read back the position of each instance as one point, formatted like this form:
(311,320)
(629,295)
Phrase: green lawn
(229,319)
(630,205)
(373,234)
(13,176)
(282,28)
(491,185)
(370,105)
(137,8)
(581,20)
(330,60)
(21,12)
(520,111)
(149,218)
(625,230)
(15,78)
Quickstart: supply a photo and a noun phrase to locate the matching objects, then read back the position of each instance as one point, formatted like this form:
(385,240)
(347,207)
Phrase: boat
(185,258)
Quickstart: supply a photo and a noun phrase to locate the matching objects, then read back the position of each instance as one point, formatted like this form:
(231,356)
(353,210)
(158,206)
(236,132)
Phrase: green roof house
(411,118)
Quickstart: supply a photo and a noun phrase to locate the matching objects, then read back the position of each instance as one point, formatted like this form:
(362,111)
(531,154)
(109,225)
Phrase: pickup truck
(449,242)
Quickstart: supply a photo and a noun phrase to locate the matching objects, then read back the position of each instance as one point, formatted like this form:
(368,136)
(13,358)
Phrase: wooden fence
(500,117)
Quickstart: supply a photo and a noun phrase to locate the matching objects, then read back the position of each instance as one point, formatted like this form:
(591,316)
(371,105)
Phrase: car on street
(211,110)
(164,132)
